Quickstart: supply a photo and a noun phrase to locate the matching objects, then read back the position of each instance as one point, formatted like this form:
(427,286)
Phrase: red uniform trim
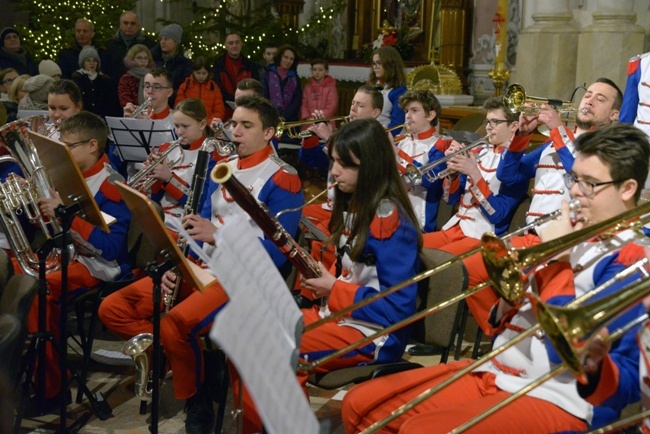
(608,383)
(382,228)
(561,275)
(287,181)
(633,65)
(255,158)
(629,254)
(162,115)
(342,295)
(310,142)
(519,143)
(556,137)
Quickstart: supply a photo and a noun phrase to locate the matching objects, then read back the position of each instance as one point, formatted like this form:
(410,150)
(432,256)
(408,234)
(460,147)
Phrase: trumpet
(414,173)
(146,107)
(516,99)
(224,146)
(290,127)
(141,180)
(535,330)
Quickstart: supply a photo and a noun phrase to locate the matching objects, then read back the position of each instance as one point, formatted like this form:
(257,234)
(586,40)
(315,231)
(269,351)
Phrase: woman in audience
(282,85)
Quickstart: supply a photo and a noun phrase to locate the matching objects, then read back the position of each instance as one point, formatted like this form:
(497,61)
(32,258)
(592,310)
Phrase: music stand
(136,138)
(145,215)
(77,199)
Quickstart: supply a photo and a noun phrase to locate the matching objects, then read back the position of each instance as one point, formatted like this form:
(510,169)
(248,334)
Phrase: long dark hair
(378,179)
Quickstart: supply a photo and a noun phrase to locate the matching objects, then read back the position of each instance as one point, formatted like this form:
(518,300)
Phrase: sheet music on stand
(136,138)
(255,314)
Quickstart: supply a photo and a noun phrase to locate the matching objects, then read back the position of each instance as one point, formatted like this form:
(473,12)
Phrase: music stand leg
(156,272)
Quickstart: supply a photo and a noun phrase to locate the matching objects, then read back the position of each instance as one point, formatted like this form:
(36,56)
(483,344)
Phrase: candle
(501,32)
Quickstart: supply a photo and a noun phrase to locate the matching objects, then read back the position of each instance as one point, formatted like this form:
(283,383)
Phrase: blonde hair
(16,86)
(129,59)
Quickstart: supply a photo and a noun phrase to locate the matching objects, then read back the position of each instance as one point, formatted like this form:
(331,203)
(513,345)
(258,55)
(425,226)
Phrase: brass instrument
(145,108)
(426,274)
(504,266)
(225,146)
(42,125)
(570,329)
(397,127)
(516,99)
(290,127)
(136,346)
(20,196)
(414,173)
(535,330)
(141,180)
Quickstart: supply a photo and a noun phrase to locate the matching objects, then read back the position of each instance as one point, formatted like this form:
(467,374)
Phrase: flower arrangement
(398,38)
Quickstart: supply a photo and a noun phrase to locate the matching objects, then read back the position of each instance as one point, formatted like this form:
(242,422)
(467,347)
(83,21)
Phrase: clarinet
(272,228)
(192,203)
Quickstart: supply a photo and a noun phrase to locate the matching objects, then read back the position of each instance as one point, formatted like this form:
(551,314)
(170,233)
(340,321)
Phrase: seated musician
(366,104)
(158,86)
(100,256)
(128,311)
(172,184)
(421,146)
(378,243)
(485,203)
(610,166)
(547,164)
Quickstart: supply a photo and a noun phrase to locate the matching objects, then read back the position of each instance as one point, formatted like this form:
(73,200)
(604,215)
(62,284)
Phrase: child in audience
(200,85)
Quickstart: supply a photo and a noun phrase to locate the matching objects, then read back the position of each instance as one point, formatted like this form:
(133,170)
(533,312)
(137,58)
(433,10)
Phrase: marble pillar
(547,51)
(605,46)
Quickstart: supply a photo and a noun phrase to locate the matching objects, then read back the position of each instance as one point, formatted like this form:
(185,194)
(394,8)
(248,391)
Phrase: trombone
(516,99)
(414,173)
(290,127)
(499,260)
(570,329)
(535,330)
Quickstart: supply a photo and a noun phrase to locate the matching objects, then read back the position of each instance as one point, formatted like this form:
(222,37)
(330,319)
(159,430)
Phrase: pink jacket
(319,96)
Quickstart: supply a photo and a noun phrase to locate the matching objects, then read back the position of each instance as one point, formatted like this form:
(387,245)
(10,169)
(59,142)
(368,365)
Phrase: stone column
(605,46)
(546,63)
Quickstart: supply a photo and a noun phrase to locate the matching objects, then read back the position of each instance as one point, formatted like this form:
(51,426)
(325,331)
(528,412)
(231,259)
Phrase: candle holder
(499,75)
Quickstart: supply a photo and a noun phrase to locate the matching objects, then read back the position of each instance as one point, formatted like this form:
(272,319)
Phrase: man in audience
(68,60)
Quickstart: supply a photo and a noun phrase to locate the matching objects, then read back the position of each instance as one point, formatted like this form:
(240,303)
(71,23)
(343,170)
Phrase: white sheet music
(248,332)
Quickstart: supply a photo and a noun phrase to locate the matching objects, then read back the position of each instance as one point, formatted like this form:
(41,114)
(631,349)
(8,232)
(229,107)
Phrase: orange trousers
(128,312)
(79,281)
(464,399)
(316,343)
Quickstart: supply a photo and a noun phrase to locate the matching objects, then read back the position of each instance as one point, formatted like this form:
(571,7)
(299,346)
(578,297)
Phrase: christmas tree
(51,23)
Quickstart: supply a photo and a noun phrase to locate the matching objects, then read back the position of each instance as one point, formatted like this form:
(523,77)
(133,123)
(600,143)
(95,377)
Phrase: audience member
(96,88)
(129,34)
(168,55)
(12,55)
(320,93)
(50,68)
(36,89)
(139,62)
(282,85)
(200,85)
(230,68)
(68,60)
(268,54)
(16,92)
(7,76)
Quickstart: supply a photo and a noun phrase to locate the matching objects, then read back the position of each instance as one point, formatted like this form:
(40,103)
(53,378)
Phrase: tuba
(136,347)
(19,196)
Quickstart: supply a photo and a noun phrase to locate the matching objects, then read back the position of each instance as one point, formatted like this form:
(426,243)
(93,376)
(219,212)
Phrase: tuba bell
(136,347)
(19,196)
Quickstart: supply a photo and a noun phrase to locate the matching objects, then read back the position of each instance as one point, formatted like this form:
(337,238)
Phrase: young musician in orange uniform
(100,256)
(610,167)
(378,238)
(271,181)
(158,86)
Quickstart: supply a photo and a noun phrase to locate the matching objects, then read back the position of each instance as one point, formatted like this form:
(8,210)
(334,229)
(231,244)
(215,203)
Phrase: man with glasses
(547,164)
(611,165)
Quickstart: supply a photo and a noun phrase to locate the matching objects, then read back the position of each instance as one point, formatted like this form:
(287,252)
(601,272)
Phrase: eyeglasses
(75,144)
(8,80)
(155,87)
(145,58)
(494,122)
(376,63)
(586,187)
